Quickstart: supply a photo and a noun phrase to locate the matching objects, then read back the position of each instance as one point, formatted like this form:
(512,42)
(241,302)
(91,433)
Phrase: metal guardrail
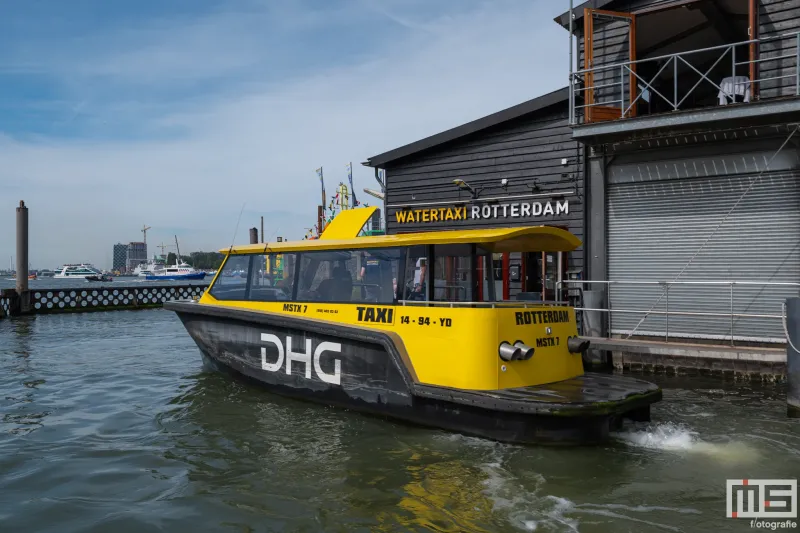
(516,303)
(667,313)
(624,71)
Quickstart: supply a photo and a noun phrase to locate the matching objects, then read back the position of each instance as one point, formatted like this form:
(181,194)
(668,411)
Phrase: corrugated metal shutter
(661,213)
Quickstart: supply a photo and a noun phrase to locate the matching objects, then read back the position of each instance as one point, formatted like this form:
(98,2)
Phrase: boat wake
(522,500)
(522,503)
(671,437)
(528,501)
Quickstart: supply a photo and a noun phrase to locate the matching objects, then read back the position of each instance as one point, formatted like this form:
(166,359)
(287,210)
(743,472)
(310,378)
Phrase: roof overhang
(497,240)
(517,111)
(577,13)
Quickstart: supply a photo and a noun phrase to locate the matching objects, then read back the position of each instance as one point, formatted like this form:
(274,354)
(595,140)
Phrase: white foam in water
(524,507)
(676,437)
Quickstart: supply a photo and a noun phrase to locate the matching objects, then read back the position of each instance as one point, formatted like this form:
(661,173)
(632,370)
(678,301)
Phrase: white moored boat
(77,271)
(178,271)
(151,267)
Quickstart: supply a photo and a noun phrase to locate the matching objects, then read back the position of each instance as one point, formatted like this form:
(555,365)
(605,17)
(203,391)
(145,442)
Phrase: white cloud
(259,142)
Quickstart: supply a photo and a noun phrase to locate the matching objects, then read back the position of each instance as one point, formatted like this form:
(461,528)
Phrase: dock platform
(95,298)
(768,363)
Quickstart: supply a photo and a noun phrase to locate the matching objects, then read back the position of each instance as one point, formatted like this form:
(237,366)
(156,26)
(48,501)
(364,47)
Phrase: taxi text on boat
(408,326)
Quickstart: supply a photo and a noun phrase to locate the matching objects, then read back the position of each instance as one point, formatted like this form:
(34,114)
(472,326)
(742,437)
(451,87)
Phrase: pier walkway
(686,358)
(95,298)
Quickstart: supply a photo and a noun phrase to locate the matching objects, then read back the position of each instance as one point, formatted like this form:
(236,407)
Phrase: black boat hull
(368,370)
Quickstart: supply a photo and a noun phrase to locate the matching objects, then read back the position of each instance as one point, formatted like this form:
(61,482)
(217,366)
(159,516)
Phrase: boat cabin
(425,269)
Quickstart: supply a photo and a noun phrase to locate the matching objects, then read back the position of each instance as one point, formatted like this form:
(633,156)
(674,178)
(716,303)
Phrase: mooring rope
(724,219)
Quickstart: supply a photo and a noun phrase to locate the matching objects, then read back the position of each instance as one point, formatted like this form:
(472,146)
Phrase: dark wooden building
(688,111)
(520,166)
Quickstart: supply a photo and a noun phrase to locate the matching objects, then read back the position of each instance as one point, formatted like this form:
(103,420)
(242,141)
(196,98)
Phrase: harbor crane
(145,227)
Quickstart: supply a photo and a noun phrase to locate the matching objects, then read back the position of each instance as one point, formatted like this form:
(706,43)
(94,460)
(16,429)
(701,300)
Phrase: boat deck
(591,394)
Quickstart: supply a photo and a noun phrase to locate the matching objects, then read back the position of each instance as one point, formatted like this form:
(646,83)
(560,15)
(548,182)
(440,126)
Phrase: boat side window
(272,277)
(326,276)
(462,273)
(453,273)
(368,275)
(378,273)
(416,274)
(231,282)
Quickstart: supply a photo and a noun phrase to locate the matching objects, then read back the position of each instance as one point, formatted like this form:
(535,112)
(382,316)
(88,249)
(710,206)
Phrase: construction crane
(163,246)
(145,227)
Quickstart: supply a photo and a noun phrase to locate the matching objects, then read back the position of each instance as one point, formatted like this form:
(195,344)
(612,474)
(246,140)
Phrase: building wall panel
(704,214)
(777,18)
(529,151)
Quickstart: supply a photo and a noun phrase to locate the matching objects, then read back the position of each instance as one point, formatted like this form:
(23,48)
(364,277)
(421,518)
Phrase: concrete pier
(764,363)
(793,357)
(111,297)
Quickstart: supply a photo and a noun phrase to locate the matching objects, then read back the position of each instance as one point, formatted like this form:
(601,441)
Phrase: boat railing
(504,303)
(687,306)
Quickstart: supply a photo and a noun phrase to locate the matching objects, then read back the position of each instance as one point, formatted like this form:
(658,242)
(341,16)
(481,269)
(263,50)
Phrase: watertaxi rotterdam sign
(477,212)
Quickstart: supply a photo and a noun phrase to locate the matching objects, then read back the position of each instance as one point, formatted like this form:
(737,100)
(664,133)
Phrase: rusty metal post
(253,235)
(22,255)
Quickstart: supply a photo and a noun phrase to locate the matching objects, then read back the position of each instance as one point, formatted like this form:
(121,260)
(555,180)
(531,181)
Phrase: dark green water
(110,424)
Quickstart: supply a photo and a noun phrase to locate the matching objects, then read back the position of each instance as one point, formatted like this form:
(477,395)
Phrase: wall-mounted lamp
(376,194)
(464,186)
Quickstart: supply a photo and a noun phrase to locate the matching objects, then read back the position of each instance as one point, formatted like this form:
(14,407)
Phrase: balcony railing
(610,84)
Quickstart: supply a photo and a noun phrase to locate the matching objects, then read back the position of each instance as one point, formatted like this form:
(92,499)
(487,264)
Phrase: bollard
(594,325)
(22,250)
(792,326)
(253,235)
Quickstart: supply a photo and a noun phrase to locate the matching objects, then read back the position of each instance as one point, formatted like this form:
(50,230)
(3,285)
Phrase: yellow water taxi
(409,326)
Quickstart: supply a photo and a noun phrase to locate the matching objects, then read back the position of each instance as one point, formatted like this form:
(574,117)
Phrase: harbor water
(111,423)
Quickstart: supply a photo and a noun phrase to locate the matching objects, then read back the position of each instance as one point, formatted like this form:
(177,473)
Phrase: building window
(231,282)
(272,277)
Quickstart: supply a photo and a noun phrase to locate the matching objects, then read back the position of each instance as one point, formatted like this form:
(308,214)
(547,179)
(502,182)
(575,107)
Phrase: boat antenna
(266,243)
(237,228)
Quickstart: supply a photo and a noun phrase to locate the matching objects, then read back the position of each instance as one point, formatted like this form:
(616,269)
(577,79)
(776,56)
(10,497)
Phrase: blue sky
(173,114)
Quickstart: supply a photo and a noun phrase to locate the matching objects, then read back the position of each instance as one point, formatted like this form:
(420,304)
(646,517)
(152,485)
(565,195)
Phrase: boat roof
(342,234)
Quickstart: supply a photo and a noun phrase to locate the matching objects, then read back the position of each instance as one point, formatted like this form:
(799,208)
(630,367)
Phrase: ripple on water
(109,424)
